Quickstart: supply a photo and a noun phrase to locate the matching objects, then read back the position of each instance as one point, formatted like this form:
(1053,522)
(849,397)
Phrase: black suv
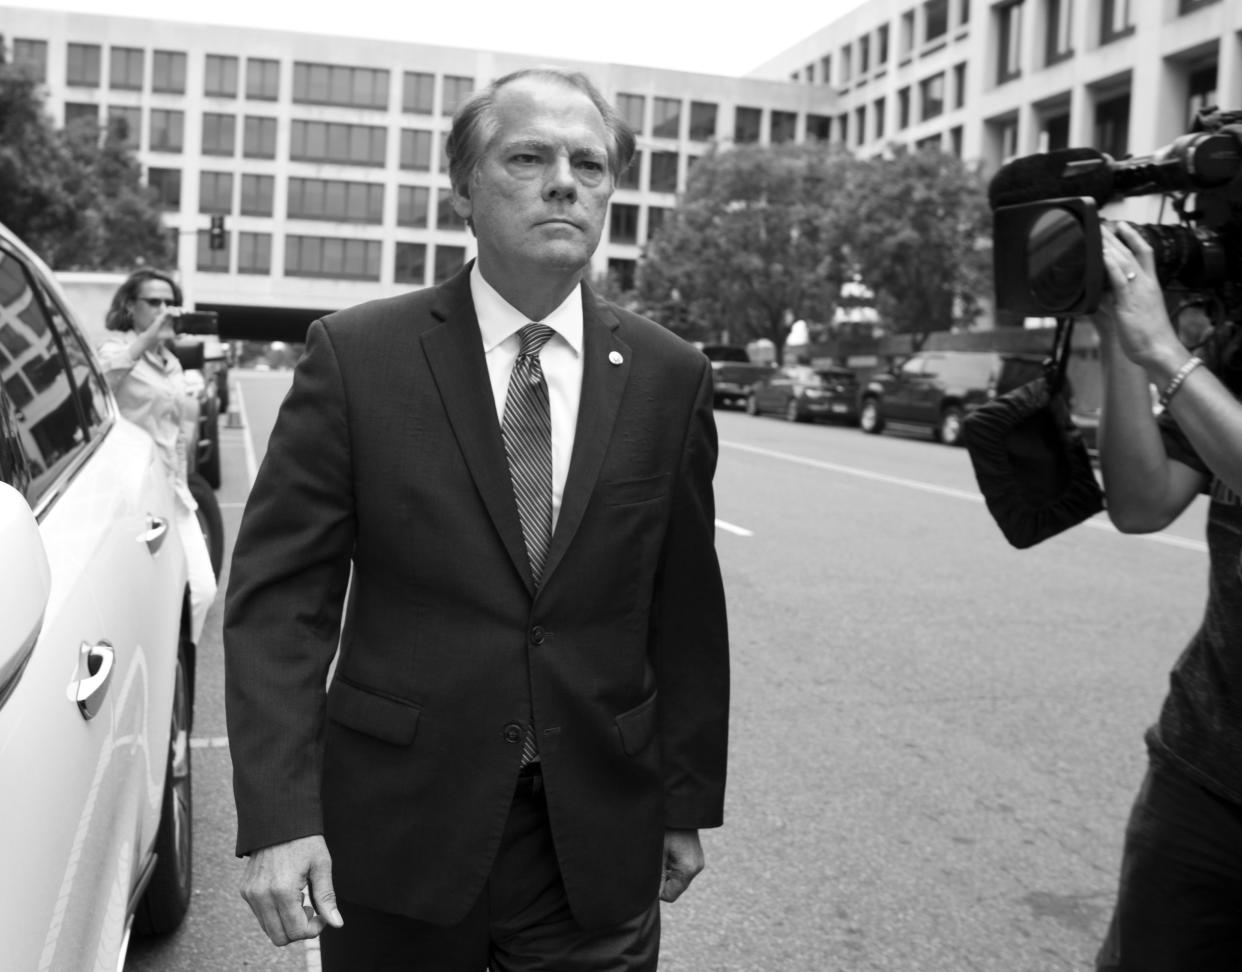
(936,389)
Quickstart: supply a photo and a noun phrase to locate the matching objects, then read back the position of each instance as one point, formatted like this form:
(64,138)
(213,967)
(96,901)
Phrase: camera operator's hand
(1134,310)
(159,330)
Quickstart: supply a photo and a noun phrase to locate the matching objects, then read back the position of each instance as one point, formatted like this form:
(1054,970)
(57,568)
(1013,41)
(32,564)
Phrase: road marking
(1099,522)
(252,465)
(733,528)
(212,742)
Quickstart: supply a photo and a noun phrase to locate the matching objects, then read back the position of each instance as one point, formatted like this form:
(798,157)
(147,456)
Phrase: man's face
(539,196)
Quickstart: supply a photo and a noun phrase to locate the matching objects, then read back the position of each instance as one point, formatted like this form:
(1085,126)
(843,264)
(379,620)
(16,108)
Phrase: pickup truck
(733,373)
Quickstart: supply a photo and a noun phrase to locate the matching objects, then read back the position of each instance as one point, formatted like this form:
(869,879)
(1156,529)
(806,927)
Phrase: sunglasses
(157,302)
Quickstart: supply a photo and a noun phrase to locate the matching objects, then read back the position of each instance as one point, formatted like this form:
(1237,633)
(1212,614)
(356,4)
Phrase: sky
(682,35)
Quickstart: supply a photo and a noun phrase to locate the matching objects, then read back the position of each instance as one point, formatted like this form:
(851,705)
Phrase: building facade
(324,156)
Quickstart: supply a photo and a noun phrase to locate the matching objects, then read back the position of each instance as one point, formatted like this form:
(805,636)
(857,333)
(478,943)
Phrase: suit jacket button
(536,635)
(513,733)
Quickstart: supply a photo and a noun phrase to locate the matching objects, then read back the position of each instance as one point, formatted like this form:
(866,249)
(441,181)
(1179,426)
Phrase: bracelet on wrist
(1176,382)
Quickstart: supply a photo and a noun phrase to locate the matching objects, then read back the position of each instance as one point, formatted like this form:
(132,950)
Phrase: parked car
(202,360)
(935,390)
(733,373)
(96,669)
(802,394)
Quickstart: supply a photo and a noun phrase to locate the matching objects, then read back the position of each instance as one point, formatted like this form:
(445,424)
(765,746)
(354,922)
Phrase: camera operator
(1179,903)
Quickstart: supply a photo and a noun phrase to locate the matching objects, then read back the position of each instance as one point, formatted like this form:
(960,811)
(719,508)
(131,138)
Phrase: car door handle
(153,535)
(96,663)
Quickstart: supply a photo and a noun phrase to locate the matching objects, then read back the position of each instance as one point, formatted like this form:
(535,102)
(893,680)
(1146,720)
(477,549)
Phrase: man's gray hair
(474,125)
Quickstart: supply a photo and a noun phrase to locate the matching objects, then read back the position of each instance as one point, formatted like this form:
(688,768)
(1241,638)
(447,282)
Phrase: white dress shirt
(561,360)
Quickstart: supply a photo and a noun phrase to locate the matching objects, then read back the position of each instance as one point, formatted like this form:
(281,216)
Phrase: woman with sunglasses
(150,388)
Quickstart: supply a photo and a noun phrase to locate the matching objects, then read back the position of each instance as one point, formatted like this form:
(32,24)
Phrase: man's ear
(461,201)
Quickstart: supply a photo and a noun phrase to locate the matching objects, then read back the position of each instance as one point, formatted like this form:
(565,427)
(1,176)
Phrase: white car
(96,672)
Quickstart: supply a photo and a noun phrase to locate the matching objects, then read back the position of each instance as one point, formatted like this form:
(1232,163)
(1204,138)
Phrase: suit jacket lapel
(605,370)
(454,352)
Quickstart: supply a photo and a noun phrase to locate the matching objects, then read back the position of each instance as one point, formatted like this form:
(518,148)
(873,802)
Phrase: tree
(915,225)
(75,198)
(748,248)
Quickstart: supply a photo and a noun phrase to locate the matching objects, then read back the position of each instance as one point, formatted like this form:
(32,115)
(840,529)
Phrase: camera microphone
(1051,175)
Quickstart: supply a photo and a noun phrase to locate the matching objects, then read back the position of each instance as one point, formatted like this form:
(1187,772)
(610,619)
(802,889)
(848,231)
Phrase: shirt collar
(499,320)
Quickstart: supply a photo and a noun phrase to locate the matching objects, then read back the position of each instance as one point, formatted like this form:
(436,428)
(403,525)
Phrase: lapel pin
(614,357)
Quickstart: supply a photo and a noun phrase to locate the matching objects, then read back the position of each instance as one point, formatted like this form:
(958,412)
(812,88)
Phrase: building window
(656,215)
(809,73)
(254,252)
(860,124)
(878,113)
(1055,134)
(262,79)
(825,69)
(345,87)
(818,128)
(80,115)
(220,76)
(209,260)
(906,40)
(336,200)
(782,126)
(623,223)
(329,256)
(864,55)
(881,46)
(666,118)
(843,128)
(702,121)
(415,150)
(903,109)
(125,125)
(1009,50)
(337,142)
(746,122)
(622,272)
(412,206)
(215,193)
(30,58)
(456,90)
(1060,23)
(843,59)
(663,172)
(168,72)
(935,19)
(259,138)
(165,184)
(1202,93)
(167,130)
(411,264)
(1112,126)
(258,194)
(1115,20)
(931,95)
(959,85)
(930,142)
(125,68)
(447,217)
(1189,6)
(418,93)
(965,18)
(631,177)
(219,133)
(82,67)
(630,107)
(449,260)
(955,141)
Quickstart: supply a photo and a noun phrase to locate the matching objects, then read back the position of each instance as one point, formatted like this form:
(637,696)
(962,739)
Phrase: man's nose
(560,183)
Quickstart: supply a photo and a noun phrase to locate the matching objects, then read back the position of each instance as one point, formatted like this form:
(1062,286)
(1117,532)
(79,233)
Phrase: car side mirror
(25,585)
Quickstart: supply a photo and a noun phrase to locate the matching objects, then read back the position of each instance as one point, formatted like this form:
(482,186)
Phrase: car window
(44,404)
(89,384)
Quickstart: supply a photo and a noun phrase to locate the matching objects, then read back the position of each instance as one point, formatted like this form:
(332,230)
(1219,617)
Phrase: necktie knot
(534,337)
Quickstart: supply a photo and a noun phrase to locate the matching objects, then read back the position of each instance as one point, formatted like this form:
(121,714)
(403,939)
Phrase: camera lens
(1056,249)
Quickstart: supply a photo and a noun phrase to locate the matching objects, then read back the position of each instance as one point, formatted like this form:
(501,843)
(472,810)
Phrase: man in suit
(526,726)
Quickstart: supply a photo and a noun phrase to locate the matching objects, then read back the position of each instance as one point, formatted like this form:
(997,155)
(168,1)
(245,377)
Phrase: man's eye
(526,158)
(591,165)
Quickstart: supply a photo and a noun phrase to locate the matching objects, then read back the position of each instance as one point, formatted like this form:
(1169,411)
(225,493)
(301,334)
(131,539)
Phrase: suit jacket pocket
(383,716)
(637,727)
(626,492)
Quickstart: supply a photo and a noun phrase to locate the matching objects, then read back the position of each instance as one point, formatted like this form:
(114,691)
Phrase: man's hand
(273,884)
(683,859)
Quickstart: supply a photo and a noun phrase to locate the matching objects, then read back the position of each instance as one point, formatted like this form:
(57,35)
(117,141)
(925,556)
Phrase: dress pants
(521,922)
(1179,906)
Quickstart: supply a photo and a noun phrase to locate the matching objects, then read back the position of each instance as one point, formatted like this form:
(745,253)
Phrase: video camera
(1048,259)
(196,322)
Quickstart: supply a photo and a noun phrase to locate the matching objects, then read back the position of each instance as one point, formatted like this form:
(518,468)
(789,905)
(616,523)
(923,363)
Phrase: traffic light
(216,237)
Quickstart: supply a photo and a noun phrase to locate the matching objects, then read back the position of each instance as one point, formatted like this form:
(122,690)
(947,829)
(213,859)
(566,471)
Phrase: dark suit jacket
(387,455)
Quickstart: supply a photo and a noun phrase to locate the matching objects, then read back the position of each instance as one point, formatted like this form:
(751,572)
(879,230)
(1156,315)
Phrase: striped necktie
(527,432)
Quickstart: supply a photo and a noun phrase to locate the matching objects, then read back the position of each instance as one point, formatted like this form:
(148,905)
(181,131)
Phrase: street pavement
(935,738)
